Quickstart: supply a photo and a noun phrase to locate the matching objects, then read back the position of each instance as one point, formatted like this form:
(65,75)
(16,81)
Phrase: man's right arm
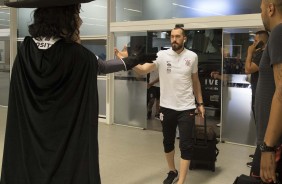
(250,67)
(140,69)
(145,68)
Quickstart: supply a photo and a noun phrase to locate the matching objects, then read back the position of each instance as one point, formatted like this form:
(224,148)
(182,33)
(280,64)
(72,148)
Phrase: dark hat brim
(42,3)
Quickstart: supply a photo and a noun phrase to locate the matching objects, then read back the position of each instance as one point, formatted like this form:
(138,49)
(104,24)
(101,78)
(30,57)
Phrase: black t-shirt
(266,84)
(254,78)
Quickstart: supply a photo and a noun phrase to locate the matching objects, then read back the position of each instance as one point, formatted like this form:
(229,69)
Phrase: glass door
(4,55)
(237,119)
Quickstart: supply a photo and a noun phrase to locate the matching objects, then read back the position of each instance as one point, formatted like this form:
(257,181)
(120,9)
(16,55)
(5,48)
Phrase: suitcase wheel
(213,167)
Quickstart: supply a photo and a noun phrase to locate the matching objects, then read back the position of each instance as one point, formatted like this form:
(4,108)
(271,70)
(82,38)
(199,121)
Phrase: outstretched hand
(121,54)
(132,61)
(136,59)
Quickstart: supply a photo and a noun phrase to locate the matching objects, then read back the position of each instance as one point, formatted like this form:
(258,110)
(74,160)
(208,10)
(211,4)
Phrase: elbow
(142,73)
(139,72)
(247,71)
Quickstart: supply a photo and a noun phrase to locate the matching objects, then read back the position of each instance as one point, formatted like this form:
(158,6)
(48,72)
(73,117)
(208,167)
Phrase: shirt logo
(168,67)
(188,62)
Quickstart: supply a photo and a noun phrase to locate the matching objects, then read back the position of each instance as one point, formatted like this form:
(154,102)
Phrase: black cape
(52,120)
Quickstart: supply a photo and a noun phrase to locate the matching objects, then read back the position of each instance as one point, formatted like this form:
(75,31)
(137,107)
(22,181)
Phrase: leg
(157,100)
(186,122)
(149,107)
(255,169)
(150,102)
(170,160)
(157,106)
(168,120)
(253,107)
(169,127)
(184,165)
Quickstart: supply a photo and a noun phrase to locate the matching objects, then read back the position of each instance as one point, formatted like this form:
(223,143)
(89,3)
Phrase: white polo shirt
(175,73)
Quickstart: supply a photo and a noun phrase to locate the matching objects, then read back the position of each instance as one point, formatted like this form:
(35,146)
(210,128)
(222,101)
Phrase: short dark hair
(56,22)
(262,32)
(180,26)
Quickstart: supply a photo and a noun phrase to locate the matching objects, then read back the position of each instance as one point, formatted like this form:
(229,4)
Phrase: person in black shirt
(252,67)
(268,101)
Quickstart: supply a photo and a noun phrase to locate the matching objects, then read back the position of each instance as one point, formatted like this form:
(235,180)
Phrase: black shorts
(185,120)
(153,92)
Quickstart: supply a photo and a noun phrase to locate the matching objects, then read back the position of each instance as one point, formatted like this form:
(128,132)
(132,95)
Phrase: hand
(121,54)
(252,49)
(215,74)
(201,111)
(267,167)
(149,85)
(132,61)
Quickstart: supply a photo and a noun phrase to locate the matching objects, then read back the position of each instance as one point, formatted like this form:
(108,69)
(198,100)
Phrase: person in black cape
(52,121)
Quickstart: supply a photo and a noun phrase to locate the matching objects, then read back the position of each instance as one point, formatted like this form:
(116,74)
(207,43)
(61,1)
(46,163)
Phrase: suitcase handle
(205,130)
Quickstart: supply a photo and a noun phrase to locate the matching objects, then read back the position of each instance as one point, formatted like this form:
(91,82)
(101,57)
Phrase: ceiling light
(128,9)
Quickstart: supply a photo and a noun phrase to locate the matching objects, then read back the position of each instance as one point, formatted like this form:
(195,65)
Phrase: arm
(198,92)
(250,67)
(139,69)
(274,127)
(215,75)
(145,68)
(154,81)
(111,66)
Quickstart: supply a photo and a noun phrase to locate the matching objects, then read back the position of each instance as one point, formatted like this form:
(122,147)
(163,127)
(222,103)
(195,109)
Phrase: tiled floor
(135,156)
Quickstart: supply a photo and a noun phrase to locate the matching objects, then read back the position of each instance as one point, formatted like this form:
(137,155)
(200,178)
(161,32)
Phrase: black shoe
(251,156)
(250,164)
(171,178)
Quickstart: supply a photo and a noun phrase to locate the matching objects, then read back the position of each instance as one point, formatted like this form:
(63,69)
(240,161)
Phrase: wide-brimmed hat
(41,3)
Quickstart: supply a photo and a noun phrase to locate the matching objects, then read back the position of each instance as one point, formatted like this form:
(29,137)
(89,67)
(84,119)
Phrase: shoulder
(191,54)
(77,48)
(275,36)
(277,30)
(78,52)
(27,40)
(164,52)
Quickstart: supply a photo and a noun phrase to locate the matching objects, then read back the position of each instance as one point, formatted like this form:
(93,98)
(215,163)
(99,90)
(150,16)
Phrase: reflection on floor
(135,156)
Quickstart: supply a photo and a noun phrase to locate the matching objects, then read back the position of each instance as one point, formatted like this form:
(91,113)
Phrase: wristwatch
(264,148)
(200,104)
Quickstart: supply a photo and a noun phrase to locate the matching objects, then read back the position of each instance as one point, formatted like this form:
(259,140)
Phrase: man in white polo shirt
(179,83)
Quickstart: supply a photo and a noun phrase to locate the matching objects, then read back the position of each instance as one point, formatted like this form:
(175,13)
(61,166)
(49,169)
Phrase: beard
(265,21)
(176,46)
(266,25)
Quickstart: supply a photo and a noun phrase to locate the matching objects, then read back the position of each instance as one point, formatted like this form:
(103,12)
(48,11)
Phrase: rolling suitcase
(205,150)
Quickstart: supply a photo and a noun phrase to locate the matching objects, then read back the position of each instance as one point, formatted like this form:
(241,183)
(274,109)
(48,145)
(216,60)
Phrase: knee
(186,150)
(168,146)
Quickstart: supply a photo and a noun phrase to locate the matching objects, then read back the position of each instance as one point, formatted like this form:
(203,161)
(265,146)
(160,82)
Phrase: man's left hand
(267,167)
(201,111)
